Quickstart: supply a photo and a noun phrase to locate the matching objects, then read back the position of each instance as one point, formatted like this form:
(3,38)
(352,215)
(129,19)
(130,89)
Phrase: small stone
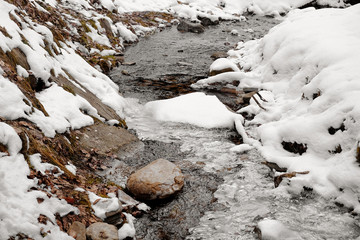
(128,63)
(190,27)
(217,55)
(102,231)
(77,230)
(158,180)
(184,64)
(125,72)
(206,21)
(114,218)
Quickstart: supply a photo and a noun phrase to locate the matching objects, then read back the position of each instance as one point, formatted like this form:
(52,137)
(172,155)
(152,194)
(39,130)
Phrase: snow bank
(19,208)
(66,111)
(219,8)
(194,108)
(68,114)
(310,64)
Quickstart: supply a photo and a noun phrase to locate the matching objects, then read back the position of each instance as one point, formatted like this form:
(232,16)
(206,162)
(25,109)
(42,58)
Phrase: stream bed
(226,193)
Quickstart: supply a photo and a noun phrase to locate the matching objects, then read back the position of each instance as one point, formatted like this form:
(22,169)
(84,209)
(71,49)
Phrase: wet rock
(102,231)
(214,72)
(278,179)
(114,218)
(106,139)
(190,27)
(206,21)
(126,199)
(217,55)
(105,66)
(158,180)
(274,166)
(18,57)
(36,84)
(78,231)
(294,147)
(106,25)
(125,72)
(234,32)
(128,63)
(184,64)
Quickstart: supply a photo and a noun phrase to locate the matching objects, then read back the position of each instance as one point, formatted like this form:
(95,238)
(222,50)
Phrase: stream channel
(226,193)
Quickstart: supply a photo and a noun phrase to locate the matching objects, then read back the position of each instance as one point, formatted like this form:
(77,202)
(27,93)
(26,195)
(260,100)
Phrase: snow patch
(194,108)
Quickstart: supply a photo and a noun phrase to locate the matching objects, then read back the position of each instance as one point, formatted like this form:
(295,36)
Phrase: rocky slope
(66,112)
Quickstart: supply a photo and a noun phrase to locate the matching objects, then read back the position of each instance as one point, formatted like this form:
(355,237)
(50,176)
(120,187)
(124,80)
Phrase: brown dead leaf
(278,179)
(43,219)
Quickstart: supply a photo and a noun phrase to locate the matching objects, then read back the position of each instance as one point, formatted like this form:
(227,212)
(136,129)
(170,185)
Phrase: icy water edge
(226,194)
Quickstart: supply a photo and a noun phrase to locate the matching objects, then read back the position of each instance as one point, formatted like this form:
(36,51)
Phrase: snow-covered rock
(222,65)
(194,108)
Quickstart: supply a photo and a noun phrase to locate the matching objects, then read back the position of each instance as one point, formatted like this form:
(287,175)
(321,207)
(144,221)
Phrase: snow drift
(308,66)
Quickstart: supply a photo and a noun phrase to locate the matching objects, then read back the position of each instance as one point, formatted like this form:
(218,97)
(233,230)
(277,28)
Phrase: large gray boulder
(158,180)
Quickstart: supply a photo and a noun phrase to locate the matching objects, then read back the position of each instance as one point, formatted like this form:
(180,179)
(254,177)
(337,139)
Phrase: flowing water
(226,193)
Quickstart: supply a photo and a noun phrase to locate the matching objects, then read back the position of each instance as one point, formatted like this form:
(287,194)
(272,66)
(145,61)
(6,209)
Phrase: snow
(224,9)
(35,161)
(103,205)
(12,105)
(275,230)
(307,68)
(125,33)
(223,63)
(71,168)
(194,108)
(241,148)
(95,81)
(65,109)
(128,228)
(19,208)
(143,207)
(22,71)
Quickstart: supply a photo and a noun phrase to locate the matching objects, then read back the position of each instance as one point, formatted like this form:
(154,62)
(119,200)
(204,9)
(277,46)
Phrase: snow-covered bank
(20,209)
(220,8)
(307,66)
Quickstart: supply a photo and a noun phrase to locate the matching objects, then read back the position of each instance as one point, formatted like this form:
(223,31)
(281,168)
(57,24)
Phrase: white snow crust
(307,68)
(19,208)
(194,108)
